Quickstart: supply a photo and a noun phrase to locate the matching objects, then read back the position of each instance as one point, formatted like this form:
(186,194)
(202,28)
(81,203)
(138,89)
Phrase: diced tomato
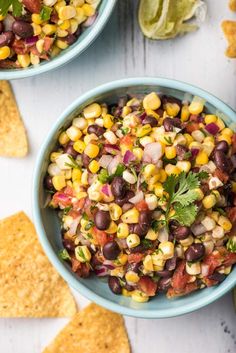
(19,47)
(189,288)
(61,199)
(126,140)
(147,285)
(194,118)
(8,64)
(135,258)
(221,175)
(74,214)
(230,259)
(142,206)
(48,42)
(81,269)
(232,214)
(191,126)
(78,205)
(213,261)
(75,264)
(34,6)
(233,143)
(68,191)
(101,237)
(180,277)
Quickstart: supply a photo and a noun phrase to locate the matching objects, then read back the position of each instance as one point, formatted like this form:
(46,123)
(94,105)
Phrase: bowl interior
(49,229)
(83,41)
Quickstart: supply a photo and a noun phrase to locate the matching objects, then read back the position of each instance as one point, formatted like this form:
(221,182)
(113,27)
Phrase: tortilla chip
(13,140)
(93,329)
(232,5)
(229,28)
(29,285)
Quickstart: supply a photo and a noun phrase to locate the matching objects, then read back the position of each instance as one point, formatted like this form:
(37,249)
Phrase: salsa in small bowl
(141,175)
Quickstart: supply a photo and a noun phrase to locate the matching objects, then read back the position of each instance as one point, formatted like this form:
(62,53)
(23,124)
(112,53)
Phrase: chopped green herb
(85,216)
(168,140)
(67,210)
(119,171)
(147,244)
(134,173)
(125,130)
(169,161)
(45,13)
(221,211)
(187,155)
(144,186)
(64,255)
(103,176)
(16,7)
(89,225)
(80,253)
(155,224)
(73,163)
(231,245)
(185,215)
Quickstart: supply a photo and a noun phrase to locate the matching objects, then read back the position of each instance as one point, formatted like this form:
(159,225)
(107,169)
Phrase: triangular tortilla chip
(91,330)
(232,5)
(13,140)
(229,28)
(29,285)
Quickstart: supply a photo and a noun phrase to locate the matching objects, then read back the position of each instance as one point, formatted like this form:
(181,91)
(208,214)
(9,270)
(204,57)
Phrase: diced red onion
(101,271)
(90,20)
(61,197)
(105,160)
(106,189)
(194,152)
(205,269)
(152,152)
(108,264)
(32,40)
(143,116)
(137,198)
(212,128)
(122,243)
(114,163)
(112,149)
(198,229)
(73,226)
(91,178)
(128,157)
(83,241)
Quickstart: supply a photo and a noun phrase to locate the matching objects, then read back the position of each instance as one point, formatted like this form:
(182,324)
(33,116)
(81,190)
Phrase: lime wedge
(163,19)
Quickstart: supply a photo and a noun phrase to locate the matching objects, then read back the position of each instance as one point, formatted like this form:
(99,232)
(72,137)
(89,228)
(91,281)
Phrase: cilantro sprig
(231,245)
(182,194)
(6,4)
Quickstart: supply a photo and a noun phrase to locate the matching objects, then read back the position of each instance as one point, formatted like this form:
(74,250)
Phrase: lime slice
(163,19)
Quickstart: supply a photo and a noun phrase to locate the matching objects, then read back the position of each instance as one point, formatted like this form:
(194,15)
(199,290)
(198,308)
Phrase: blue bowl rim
(64,272)
(67,56)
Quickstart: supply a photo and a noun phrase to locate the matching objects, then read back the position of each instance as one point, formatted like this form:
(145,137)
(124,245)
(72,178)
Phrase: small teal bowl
(83,42)
(47,223)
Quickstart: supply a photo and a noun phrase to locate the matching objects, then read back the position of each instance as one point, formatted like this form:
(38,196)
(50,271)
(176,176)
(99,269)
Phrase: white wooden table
(121,51)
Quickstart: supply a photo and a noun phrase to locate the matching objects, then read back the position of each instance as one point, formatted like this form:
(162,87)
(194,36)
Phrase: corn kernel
(91,150)
(185,113)
(49,29)
(92,111)
(95,196)
(122,259)
(76,174)
(209,201)
(66,12)
(63,138)
(159,190)
(125,111)
(202,158)
(112,228)
(151,101)
(184,166)
(220,124)
(61,44)
(73,133)
(122,230)
(172,169)
(88,10)
(138,152)
(59,182)
(131,216)
(210,118)
(193,268)
(226,138)
(36,18)
(94,167)
(24,60)
(172,109)
(81,195)
(74,24)
(225,223)
(187,242)
(149,171)
(82,253)
(133,240)
(34,59)
(158,260)
(132,277)
(65,25)
(167,249)
(163,176)
(146,140)
(90,137)
(108,121)
(54,156)
(227,131)
(84,178)
(151,235)
(139,296)
(143,130)
(199,193)
(126,293)
(147,263)
(79,146)
(170,152)
(115,211)
(80,15)
(196,107)
(37,29)
(198,135)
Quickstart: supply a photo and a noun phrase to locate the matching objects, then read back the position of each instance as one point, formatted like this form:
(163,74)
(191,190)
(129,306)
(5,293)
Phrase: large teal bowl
(47,224)
(84,40)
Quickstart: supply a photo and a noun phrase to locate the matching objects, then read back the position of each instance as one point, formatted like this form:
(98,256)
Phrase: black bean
(170,264)
(222,161)
(195,252)
(169,99)
(96,129)
(1,27)
(114,285)
(133,266)
(102,219)
(145,219)
(170,123)
(216,276)
(6,38)
(69,245)
(48,182)
(222,146)
(139,248)
(118,187)
(164,273)
(70,39)
(122,200)
(181,232)
(164,284)
(137,229)
(85,160)
(111,250)
(70,150)
(22,29)
(150,120)
(128,287)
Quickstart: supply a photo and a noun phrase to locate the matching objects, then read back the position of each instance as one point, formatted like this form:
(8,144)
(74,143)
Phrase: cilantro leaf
(16,7)
(231,245)
(64,255)
(203,175)
(185,215)
(89,225)
(45,13)
(73,163)
(103,176)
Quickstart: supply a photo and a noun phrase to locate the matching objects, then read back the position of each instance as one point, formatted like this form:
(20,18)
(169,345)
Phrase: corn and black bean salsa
(36,30)
(146,194)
